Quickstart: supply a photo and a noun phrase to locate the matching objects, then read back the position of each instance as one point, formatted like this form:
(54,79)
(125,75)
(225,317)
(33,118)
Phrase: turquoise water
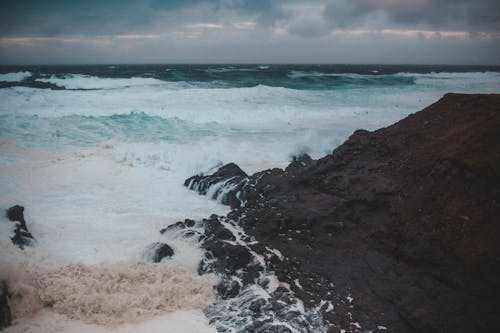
(271,110)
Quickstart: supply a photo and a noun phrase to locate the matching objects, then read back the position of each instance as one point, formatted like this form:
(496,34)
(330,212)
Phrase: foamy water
(100,172)
(93,214)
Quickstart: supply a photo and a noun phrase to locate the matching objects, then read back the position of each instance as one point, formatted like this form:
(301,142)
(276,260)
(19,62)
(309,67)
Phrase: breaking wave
(15,77)
(78,81)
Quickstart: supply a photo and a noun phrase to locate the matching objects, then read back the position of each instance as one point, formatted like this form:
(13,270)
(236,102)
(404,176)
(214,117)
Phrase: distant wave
(300,74)
(349,79)
(15,77)
(230,69)
(453,75)
(79,81)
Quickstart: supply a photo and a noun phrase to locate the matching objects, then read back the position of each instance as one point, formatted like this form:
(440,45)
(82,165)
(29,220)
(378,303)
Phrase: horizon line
(249,63)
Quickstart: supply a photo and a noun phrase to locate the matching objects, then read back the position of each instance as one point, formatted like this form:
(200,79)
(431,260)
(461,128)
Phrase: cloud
(249,30)
(91,17)
(441,14)
(205,26)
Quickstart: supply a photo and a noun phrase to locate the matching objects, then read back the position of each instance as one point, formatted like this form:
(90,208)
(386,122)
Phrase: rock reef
(396,229)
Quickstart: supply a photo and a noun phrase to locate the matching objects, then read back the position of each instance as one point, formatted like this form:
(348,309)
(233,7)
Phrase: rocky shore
(396,230)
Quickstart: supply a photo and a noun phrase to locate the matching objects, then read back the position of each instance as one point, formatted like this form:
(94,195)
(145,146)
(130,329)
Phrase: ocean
(98,155)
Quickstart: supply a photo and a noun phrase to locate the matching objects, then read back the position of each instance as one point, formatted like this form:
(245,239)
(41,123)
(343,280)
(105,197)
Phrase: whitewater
(98,155)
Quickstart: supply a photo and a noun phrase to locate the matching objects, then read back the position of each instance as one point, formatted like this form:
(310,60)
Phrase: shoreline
(385,233)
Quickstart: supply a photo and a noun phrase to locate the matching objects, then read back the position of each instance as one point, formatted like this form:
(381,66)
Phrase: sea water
(98,156)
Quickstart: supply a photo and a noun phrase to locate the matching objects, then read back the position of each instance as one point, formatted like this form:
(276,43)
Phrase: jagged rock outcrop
(224,185)
(250,299)
(397,229)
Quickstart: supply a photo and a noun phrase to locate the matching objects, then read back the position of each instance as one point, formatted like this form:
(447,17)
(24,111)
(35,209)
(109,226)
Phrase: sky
(250,31)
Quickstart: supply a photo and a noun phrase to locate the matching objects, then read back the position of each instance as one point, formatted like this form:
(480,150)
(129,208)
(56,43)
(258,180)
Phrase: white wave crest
(15,77)
(78,81)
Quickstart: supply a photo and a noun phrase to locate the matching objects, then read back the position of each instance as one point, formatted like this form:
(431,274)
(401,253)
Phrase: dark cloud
(248,31)
(437,14)
(91,17)
(66,17)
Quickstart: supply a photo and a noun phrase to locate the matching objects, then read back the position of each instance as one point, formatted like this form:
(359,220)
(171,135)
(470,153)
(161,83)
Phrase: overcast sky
(250,31)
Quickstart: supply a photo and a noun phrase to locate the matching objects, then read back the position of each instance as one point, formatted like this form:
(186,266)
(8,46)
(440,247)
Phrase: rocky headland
(396,230)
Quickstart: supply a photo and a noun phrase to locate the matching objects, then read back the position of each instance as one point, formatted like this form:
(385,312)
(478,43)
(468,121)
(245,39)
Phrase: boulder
(157,251)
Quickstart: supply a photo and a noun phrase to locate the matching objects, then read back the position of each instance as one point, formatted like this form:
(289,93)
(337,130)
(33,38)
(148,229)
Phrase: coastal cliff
(397,229)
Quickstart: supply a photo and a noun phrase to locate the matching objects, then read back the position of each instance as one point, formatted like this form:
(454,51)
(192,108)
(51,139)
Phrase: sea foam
(109,294)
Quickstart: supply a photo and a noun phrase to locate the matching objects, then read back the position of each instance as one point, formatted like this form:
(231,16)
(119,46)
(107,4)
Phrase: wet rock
(228,288)
(189,223)
(22,237)
(5,315)
(215,229)
(225,173)
(176,226)
(157,251)
(257,305)
(16,213)
(232,257)
(225,184)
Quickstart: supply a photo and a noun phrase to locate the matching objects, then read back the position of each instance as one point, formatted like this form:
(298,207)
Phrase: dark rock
(5,315)
(22,237)
(257,305)
(176,226)
(214,228)
(232,257)
(273,328)
(229,180)
(228,289)
(16,213)
(191,233)
(224,173)
(299,163)
(189,223)
(157,251)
